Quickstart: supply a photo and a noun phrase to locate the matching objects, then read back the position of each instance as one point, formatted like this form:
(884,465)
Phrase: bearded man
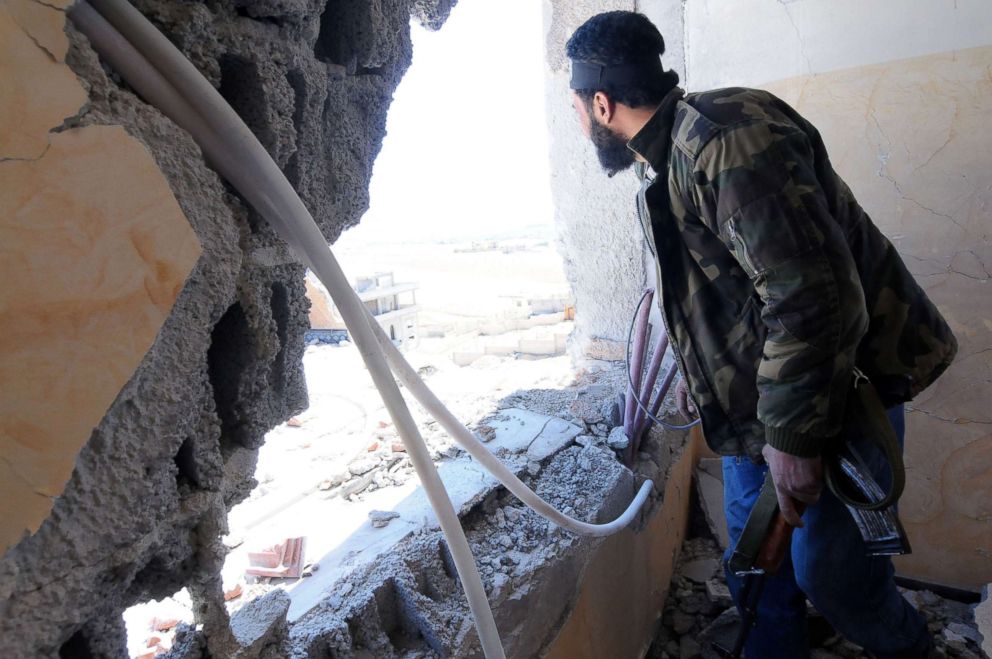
(776,288)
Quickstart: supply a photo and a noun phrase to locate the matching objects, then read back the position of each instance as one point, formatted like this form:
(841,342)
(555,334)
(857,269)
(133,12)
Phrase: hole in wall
(242,87)
(524,272)
(227,363)
(185,461)
(77,647)
(337,30)
(297,82)
(151,625)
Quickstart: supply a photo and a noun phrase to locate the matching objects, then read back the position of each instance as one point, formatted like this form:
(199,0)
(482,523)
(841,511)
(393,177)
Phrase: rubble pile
(408,602)
(699,615)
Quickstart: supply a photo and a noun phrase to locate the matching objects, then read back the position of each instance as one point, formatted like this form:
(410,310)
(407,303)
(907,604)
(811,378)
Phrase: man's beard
(611,149)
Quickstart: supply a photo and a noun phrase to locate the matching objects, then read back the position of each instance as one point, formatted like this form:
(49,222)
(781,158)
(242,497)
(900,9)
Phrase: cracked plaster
(89,276)
(909,137)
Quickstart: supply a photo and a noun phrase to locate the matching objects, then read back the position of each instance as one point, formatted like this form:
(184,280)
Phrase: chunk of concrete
(260,626)
(516,431)
(617,439)
(554,437)
(700,570)
(709,487)
(718,593)
(965,631)
(363,466)
(381,518)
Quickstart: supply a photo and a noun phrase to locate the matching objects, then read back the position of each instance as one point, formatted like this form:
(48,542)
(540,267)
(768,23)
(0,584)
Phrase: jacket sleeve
(759,182)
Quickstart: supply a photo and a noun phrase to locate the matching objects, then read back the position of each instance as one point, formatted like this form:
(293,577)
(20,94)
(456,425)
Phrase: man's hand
(682,401)
(796,479)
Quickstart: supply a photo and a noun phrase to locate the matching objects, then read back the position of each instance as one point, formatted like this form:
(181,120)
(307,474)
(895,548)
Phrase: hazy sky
(466,150)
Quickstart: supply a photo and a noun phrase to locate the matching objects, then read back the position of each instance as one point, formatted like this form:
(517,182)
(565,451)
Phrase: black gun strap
(874,422)
(871,419)
(755,529)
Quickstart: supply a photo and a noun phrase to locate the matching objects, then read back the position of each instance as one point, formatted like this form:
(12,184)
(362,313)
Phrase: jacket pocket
(740,249)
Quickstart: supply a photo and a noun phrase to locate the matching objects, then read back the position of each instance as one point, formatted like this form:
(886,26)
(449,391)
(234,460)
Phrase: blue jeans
(854,592)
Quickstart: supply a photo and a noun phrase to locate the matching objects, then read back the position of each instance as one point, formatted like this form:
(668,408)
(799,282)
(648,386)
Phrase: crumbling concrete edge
(625,584)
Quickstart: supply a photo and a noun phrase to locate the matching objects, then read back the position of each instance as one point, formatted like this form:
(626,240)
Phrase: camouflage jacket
(775,283)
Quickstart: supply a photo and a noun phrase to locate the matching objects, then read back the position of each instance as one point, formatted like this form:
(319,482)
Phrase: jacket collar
(652,141)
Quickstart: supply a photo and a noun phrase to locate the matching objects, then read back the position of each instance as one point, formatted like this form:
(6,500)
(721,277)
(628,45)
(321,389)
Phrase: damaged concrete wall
(598,236)
(901,94)
(626,583)
(606,259)
(153,324)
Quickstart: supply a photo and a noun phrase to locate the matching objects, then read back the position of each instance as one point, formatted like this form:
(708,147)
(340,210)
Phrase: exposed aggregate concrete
(144,510)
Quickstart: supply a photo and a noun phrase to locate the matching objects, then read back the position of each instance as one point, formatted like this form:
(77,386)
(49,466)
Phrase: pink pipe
(666,384)
(648,386)
(637,362)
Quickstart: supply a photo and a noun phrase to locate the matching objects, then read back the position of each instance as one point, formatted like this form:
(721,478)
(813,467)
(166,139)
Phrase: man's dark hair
(622,38)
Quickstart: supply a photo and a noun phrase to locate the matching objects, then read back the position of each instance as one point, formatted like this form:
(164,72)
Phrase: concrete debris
(407,602)
(356,485)
(964,631)
(391,591)
(590,402)
(617,439)
(363,466)
(260,628)
(701,610)
(700,570)
(718,592)
(381,518)
(284,560)
(550,442)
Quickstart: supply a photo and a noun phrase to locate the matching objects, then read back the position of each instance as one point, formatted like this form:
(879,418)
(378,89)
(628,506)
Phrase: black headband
(589,75)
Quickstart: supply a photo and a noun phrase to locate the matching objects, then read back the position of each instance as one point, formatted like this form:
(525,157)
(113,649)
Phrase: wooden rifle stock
(777,543)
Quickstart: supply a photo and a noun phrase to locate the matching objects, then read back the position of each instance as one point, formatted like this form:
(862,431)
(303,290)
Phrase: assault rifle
(767,538)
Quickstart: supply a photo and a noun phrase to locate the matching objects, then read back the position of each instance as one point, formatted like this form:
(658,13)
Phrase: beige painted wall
(93,253)
(911,138)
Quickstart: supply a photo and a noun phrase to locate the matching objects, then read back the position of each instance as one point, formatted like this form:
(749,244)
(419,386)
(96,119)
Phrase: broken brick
(163,624)
(283,561)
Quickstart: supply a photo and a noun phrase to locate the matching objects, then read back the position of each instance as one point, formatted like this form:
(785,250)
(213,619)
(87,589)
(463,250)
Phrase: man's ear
(603,108)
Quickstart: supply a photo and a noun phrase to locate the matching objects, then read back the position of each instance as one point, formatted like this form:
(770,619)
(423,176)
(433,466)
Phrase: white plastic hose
(165,78)
(408,376)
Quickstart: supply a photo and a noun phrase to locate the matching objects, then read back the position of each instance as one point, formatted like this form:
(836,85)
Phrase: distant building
(393,305)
